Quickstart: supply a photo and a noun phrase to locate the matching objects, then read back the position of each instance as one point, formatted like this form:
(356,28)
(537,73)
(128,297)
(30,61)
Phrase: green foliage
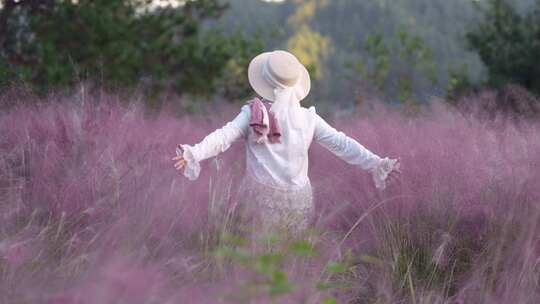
(509,44)
(336,267)
(120,43)
(329,301)
(311,47)
(302,248)
(269,263)
(233,83)
(270,257)
(395,64)
(380,53)
(459,82)
(369,259)
(350,23)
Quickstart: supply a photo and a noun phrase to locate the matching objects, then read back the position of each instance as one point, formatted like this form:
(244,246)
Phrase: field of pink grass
(92,211)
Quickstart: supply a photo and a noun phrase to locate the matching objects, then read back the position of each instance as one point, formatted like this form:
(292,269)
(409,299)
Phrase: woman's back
(282,165)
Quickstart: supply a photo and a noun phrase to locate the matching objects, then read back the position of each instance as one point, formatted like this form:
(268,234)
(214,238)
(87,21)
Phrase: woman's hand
(181,162)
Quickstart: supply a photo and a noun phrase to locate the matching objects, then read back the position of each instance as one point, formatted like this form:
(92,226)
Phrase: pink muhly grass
(93,210)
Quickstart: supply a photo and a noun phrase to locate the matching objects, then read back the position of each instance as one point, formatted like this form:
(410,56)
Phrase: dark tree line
(119,43)
(508,43)
(116,43)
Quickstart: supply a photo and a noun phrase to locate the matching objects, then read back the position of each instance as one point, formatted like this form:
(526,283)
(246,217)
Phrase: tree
(117,43)
(396,65)
(509,44)
(310,46)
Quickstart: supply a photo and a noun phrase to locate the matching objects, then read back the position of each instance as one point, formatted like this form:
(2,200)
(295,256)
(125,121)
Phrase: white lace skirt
(267,209)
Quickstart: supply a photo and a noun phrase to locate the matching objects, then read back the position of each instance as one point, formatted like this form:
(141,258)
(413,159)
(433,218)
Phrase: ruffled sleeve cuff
(381,171)
(192,168)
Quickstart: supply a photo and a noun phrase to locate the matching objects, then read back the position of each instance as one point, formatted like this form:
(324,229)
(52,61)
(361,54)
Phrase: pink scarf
(258,111)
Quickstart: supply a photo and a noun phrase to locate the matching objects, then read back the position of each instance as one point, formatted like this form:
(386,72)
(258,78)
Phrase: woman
(278,133)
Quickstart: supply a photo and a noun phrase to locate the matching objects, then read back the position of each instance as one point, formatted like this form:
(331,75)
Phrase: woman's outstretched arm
(353,152)
(214,143)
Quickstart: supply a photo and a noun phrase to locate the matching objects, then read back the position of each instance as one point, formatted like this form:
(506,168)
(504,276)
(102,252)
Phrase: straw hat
(278,69)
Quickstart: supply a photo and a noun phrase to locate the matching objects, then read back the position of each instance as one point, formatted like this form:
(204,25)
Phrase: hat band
(267,75)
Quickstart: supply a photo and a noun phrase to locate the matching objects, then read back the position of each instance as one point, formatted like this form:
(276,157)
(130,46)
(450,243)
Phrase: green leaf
(302,248)
(371,260)
(267,263)
(336,267)
(280,284)
(333,285)
(329,301)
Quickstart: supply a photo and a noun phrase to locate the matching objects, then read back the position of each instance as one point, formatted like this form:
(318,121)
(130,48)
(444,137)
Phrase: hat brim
(263,88)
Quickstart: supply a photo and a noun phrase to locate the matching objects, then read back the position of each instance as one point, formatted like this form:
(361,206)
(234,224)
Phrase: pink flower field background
(92,211)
